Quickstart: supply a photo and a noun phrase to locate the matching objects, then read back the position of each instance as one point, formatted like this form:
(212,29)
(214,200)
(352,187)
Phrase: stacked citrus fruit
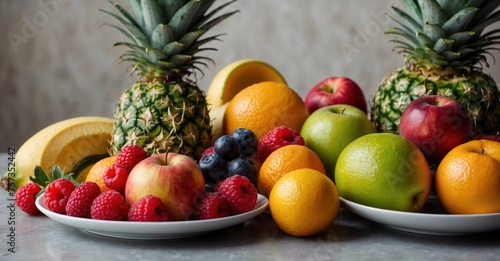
(264,106)
(284,160)
(304,202)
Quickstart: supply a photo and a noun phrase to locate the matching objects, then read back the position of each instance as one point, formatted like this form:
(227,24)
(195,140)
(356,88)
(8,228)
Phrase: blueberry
(227,147)
(247,141)
(213,166)
(243,166)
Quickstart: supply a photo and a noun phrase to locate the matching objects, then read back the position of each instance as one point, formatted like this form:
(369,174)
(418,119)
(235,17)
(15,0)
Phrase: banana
(73,144)
(217,118)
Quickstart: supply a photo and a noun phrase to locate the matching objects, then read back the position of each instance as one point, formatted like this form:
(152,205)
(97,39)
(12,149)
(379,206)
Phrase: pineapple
(165,110)
(445,44)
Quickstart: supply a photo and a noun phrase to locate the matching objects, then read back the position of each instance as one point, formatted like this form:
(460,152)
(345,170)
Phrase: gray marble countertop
(349,238)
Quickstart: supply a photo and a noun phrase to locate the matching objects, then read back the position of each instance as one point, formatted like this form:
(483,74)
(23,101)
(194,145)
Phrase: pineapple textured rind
(446,44)
(165,110)
(477,92)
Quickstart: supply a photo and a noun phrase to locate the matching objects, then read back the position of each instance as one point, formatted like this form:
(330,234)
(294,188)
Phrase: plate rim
(428,220)
(158,230)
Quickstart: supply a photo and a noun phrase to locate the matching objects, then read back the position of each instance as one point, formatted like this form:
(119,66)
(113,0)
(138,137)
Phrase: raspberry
(239,192)
(212,205)
(57,194)
(209,150)
(109,205)
(81,199)
(130,155)
(277,138)
(115,177)
(25,198)
(148,208)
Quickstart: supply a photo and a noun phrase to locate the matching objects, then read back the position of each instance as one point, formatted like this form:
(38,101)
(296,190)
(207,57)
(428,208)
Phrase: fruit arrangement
(172,154)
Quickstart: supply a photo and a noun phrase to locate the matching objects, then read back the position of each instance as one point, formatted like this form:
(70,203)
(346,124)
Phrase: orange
(263,106)
(468,178)
(284,160)
(238,75)
(97,171)
(304,202)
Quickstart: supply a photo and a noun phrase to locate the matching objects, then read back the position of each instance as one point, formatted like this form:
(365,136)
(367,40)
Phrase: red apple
(492,137)
(175,178)
(335,90)
(436,124)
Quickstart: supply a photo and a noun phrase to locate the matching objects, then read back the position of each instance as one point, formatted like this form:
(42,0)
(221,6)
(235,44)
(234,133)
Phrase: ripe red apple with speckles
(175,178)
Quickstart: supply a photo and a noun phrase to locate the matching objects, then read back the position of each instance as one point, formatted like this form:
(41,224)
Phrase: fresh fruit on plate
(238,75)
(57,194)
(165,109)
(247,141)
(213,167)
(231,155)
(262,107)
(239,193)
(231,196)
(175,178)
(278,137)
(284,160)
(212,205)
(130,155)
(81,199)
(436,124)
(74,145)
(335,90)
(109,205)
(468,180)
(304,202)
(115,177)
(96,172)
(227,147)
(148,209)
(384,170)
(446,45)
(328,130)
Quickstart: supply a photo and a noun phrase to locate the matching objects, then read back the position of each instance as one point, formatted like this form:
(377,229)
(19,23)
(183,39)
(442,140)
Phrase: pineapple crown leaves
(166,35)
(446,35)
(43,179)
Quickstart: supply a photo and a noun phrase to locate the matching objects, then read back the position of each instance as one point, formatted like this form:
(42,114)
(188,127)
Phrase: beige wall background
(57,62)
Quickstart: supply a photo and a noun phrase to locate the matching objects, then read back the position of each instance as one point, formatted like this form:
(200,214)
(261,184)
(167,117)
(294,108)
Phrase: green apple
(328,130)
(384,170)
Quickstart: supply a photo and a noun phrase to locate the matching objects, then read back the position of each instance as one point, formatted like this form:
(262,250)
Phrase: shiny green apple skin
(328,130)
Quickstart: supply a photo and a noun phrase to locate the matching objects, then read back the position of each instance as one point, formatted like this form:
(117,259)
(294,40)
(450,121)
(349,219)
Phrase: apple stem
(343,110)
(166,154)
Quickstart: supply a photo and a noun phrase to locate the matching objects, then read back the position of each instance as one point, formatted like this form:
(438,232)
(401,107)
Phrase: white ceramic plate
(427,223)
(153,230)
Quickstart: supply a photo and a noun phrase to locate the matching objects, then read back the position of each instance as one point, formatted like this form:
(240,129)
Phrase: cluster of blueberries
(232,155)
